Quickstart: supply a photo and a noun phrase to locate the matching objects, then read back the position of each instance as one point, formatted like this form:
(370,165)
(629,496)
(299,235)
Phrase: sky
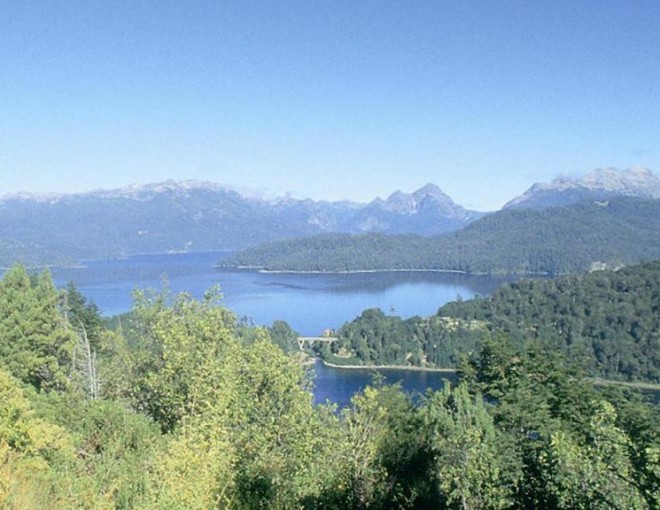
(328,99)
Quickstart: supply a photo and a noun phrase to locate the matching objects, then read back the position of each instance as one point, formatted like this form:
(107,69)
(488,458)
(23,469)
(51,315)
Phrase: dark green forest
(561,240)
(609,321)
(179,405)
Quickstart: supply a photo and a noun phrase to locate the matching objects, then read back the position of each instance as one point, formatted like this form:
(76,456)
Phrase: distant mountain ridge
(174,216)
(199,216)
(131,191)
(599,184)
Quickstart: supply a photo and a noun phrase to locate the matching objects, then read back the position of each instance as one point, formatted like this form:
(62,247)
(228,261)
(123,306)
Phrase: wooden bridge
(310,340)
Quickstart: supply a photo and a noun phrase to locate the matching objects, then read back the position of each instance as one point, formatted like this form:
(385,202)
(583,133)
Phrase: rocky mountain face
(197,216)
(600,184)
(427,211)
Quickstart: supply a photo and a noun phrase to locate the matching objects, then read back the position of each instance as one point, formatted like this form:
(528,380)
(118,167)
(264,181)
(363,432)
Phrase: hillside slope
(559,240)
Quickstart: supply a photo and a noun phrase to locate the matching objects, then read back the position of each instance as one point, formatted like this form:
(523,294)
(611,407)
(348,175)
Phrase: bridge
(310,340)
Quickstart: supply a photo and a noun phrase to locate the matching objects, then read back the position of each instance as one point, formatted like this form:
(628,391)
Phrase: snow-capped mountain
(599,184)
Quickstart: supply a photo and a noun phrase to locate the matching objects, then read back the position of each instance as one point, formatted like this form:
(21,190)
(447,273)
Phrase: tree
(30,447)
(283,443)
(239,412)
(469,466)
(36,342)
(86,365)
(83,314)
(593,473)
(180,347)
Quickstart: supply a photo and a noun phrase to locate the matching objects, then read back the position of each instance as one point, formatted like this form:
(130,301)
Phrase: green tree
(38,463)
(178,348)
(83,314)
(593,473)
(36,342)
(469,464)
(283,336)
(282,441)
(384,458)
(241,411)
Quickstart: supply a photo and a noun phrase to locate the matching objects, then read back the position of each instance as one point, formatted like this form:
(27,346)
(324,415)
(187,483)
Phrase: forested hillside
(374,338)
(553,241)
(337,252)
(607,320)
(180,406)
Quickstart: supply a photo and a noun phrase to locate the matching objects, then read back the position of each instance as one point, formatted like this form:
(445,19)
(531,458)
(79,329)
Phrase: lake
(310,303)
(338,385)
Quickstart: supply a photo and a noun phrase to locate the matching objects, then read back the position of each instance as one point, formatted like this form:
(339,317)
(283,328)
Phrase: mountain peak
(409,203)
(429,201)
(598,184)
(633,179)
(433,193)
(432,190)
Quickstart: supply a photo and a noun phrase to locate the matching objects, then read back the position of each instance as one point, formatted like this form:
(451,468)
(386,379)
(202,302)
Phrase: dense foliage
(608,320)
(374,338)
(568,239)
(193,409)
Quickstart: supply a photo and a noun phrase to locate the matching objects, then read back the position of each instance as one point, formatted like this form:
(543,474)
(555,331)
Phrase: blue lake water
(338,385)
(310,303)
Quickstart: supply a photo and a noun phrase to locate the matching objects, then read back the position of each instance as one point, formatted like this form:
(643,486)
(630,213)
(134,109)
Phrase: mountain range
(201,216)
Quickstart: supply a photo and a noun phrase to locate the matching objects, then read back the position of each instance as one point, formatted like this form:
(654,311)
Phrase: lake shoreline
(261,269)
(599,381)
(388,367)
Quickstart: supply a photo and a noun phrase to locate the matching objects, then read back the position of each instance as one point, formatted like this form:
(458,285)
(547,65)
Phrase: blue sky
(328,99)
